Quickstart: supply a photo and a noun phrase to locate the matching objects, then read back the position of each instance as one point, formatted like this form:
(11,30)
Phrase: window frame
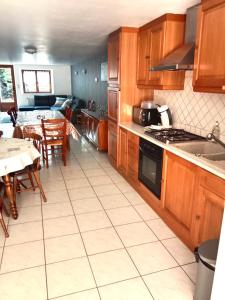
(37,87)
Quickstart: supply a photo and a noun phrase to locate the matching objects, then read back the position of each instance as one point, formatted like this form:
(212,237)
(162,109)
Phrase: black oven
(150,166)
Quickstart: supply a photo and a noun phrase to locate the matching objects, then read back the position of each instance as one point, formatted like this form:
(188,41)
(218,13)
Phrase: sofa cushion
(58,108)
(41,107)
(42,100)
(67,103)
(59,101)
(26,107)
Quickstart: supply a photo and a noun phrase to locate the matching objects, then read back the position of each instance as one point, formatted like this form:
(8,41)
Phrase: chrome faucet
(215,134)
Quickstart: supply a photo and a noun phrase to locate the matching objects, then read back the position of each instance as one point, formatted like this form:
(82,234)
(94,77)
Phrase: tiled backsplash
(195,112)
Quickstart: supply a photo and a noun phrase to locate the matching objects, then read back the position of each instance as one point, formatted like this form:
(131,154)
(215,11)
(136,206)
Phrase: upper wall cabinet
(113,59)
(155,41)
(209,70)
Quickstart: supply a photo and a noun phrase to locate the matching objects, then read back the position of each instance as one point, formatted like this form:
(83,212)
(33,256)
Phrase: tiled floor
(94,239)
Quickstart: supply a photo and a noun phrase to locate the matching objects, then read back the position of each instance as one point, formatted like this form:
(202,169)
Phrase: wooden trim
(163,18)
(123,29)
(36,78)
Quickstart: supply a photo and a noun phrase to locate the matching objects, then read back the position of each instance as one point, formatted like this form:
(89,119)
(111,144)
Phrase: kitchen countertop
(96,114)
(215,168)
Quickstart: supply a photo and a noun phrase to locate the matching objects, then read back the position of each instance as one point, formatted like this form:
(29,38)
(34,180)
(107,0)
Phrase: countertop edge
(139,130)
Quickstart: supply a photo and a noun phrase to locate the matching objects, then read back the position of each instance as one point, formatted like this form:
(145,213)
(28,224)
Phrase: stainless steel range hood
(183,57)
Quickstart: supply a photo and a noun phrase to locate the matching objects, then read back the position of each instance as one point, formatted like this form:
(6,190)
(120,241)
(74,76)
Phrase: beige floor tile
(56,197)
(94,172)
(151,258)
(161,230)
(51,173)
(101,240)
(63,248)
(69,277)
(77,183)
(114,201)
(26,232)
(106,189)
(86,205)
(191,270)
(53,185)
(112,266)
(117,178)
(146,212)
(56,210)
(123,215)
(27,214)
(86,295)
(124,187)
(181,252)
(170,284)
(24,285)
(135,234)
(75,174)
(100,180)
(28,199)
(134,198)
(110,171)
(90,165)
(81,193)
(22,256)
(60,226)
(92,221)
(131,289)
(2,238)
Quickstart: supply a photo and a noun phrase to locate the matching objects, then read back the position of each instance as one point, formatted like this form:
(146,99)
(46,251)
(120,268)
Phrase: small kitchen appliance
(165,116)
(146,117)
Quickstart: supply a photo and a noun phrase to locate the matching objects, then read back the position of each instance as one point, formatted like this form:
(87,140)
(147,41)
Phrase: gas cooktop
(172,135)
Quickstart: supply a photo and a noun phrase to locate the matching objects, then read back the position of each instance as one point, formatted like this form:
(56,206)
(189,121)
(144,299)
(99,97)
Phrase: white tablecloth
(34,117)
(16,154)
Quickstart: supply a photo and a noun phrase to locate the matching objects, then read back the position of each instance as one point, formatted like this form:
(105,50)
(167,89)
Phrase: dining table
(15,155)
(30,121)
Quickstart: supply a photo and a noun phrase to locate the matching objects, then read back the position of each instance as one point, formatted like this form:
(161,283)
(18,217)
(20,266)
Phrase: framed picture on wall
(104,71)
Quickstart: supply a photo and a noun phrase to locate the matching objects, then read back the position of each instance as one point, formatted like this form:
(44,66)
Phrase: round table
(15,155)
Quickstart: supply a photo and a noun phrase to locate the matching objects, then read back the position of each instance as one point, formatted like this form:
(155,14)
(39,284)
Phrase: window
(36,81)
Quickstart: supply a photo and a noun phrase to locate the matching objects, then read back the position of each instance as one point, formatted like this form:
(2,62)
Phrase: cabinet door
(143,56)
(112,141)
(156,53)
(122,158)
(209,75)
(113,98)
(94,131)
(132,156)
(210,215)
(113,58)
(178,196)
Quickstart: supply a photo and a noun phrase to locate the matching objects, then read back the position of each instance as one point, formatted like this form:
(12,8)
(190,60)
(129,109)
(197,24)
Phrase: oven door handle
(151,156)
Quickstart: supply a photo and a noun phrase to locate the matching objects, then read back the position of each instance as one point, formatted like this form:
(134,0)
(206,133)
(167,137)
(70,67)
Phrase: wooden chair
(30,174)
(68,113)
(55,139)
(2,207)
(12,112)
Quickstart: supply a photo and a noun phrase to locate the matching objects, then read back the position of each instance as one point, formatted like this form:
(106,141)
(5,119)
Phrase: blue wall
(84,85)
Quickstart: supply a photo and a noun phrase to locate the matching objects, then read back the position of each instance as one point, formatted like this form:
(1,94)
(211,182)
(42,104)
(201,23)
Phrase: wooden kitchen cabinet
(210,207)
(192,200)
(112,142)
(132,156)
(113,99)
(209,66)
(155,41)
(178,194)
(122,157)
(95,128)
(113,59)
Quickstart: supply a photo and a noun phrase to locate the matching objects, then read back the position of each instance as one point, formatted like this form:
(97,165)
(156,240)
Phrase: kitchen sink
(214,157)
(203,149)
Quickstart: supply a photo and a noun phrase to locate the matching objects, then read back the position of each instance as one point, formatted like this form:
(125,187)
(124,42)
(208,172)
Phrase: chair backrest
(68,113)
(36,138)
(54,128)
(12,112)
(1,133)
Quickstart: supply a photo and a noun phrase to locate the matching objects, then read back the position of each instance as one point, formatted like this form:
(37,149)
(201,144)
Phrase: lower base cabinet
(192,200)
(112,142)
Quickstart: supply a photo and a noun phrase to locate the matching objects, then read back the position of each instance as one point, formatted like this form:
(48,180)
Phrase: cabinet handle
(223,87)
(147,57)
(197,217)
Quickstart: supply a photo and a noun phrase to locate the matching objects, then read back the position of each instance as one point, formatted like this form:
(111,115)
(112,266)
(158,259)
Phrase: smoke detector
(30,49)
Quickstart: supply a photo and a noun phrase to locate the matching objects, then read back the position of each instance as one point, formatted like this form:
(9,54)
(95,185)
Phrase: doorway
(7,88)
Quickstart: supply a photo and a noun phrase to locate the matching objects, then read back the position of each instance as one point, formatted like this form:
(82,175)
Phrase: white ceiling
(67,31)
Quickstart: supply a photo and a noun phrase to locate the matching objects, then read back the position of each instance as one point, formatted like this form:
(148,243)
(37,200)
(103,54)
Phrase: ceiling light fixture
(30,49)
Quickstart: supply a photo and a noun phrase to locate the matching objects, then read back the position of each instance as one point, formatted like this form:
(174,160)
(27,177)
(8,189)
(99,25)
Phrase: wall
(84,85)
(61,81)
(195,112)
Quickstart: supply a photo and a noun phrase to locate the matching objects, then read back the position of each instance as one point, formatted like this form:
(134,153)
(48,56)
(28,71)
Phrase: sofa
(42,102)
